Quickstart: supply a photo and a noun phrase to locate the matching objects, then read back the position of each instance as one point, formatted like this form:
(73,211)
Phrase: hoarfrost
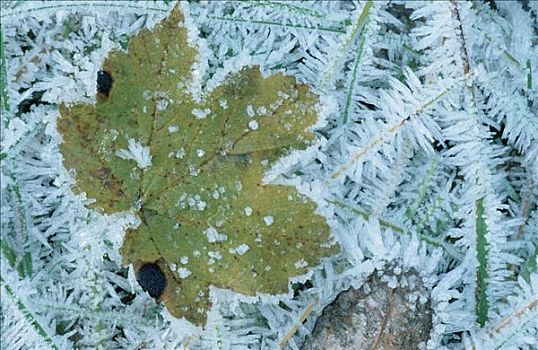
(62,77)
(262,110)
(268,220)
(250,111)
(214,236)
(253,124)
(173,128)
(283,95)
(300,264)
(136,152)
(184,272)
(214,255)
(223,104)
(239,250)
(161,104)
(180,153)
(201,114)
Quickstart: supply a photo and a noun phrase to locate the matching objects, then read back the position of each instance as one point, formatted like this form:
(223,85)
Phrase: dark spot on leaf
(104,82)
(151,279)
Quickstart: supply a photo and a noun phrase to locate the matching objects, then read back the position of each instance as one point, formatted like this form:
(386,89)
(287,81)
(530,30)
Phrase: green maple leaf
(192,170)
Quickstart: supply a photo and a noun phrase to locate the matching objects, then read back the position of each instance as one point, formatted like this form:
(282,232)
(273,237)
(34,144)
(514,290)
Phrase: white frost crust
(239,250)
(230,66)
(140,154)
(184,272)
(200,66)
(214,236)
(326,108)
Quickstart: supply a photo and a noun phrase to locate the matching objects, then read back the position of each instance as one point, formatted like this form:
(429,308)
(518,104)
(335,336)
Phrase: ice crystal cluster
(427,161)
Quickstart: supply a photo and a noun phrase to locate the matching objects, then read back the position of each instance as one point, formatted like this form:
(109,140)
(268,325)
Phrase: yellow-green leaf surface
(192,170)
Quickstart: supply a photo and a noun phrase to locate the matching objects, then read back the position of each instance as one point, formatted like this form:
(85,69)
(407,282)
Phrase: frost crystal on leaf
(240,250)
(213,236)
(200,114)
(183,272)
(136,152)
(253,124)
(268,220)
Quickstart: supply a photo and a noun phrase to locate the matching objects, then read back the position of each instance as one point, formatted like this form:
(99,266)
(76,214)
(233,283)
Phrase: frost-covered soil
(428,162)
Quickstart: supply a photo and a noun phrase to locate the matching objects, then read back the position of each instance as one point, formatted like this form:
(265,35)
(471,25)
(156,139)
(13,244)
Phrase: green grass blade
(289,7)
(366,216)
(482,305)
(433,241)
(4,104)
(351,88)
(9,254)
(529,75)
(40,7)
(271,23)
(28,315)
(530,266)
(21,260)
(348,41)
(422,190)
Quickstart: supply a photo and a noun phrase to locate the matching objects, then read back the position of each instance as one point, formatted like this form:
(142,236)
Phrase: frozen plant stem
(28,315)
